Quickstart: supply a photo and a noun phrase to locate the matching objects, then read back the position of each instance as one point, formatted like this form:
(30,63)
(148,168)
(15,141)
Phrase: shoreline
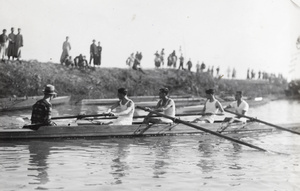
(29,78)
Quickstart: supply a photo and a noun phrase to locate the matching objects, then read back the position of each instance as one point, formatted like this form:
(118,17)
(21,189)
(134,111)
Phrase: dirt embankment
(30,77)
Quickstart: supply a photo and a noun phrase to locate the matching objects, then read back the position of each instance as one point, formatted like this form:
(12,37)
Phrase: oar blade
(176,120)
(264,122)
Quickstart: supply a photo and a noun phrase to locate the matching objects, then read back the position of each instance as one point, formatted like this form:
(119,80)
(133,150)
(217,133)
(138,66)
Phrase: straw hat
(49,89)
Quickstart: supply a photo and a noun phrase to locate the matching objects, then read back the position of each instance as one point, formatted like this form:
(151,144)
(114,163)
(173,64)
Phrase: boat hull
(86,131)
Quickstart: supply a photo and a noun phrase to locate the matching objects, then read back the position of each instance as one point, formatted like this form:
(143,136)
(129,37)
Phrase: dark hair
(210,91)
(164,90)
(122,91)
(239,92)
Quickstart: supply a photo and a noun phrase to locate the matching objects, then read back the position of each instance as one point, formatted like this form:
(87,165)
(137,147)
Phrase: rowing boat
(10,104)
(89,130)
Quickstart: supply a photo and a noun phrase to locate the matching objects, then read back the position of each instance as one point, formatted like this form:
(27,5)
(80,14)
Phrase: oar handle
(176,120)
(264,122)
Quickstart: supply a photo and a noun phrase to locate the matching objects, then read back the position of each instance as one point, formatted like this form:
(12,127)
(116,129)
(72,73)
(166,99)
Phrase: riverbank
(29,77)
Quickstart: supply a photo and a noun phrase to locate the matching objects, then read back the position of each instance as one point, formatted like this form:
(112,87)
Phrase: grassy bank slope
(29,78)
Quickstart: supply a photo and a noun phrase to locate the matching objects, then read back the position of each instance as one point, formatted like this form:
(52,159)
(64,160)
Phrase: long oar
(37,126)
(143,116)
(79,116)
(202,129)
(264,122)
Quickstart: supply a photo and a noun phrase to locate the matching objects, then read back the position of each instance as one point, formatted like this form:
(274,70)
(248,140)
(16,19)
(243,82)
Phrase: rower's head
(163,92)
(122,92)
(210,93)
(238,95)
(49,91)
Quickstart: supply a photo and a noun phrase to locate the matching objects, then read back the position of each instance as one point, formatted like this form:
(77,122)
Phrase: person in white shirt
(211,107)
(240,107)
(166,105)
(126,105)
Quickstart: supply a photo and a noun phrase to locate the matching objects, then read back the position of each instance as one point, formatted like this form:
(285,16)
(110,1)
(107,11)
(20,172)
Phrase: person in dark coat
(11,44)
(80,61)
(189,64)
(181,61)
(93,53)
(99,52)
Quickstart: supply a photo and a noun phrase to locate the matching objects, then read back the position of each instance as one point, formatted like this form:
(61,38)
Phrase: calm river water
(188,162)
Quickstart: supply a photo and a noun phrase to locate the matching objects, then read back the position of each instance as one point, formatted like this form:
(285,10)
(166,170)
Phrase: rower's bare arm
(219,105)
(227,107)
(114,106)
(204,108)
(126,111)
(243,113)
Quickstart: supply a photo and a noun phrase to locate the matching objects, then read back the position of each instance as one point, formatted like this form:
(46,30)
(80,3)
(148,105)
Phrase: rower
(41,110)
(125,116)
(240,106)
(165,105)
(210,109)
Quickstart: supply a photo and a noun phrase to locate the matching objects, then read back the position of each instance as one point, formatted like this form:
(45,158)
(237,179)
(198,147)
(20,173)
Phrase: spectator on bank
(18,44)
(198,67)
(69,61)
(80,61)
(85,62)
(93,53)
(212,71)
(233,73)
(181,61)
(11,45)
(189,64)
(218,70)
(252,74)
(66,47)
(99,54)
(162,56)
(248,73)
(130,60)
(137,62)
(203,66)
(3,41)
(157,60)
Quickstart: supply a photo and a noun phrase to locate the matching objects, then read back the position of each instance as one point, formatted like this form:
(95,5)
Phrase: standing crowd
(11,45)
(80,61)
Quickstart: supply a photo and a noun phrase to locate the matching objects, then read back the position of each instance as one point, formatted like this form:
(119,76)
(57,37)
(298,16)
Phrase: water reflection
(39,153)
(119,165)
(206,148)
(162,148)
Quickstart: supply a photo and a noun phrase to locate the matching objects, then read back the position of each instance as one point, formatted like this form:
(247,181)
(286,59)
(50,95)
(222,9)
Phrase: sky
(241,34)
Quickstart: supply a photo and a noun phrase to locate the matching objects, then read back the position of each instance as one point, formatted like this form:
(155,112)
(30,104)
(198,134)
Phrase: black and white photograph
(140,95)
